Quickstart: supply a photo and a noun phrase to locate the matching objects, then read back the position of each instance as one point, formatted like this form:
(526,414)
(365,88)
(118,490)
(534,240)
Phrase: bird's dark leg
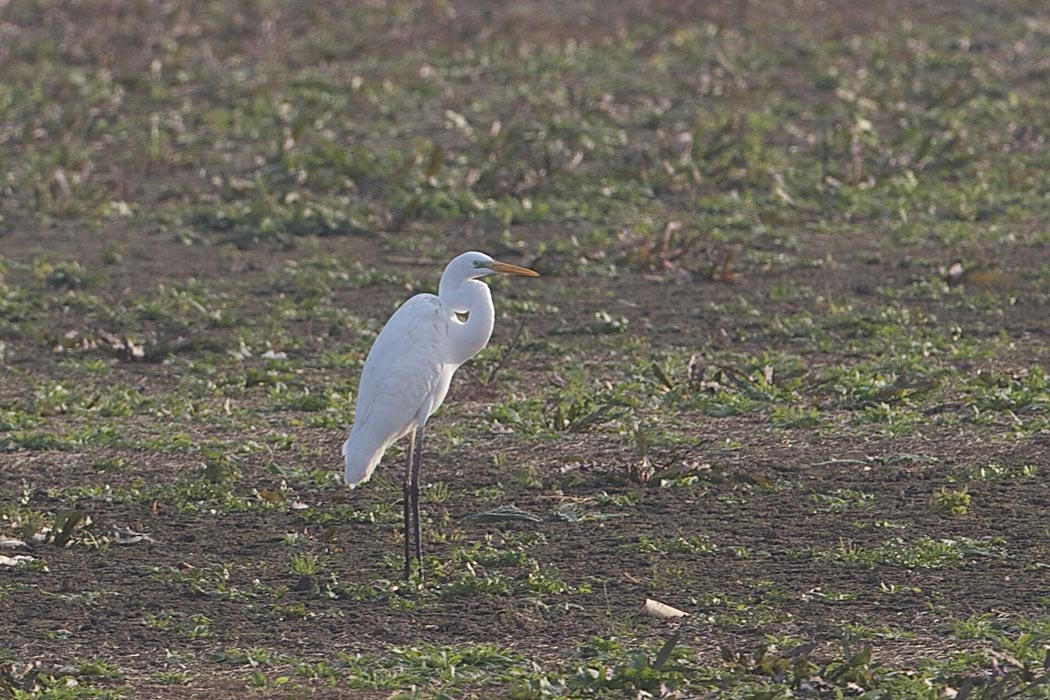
(417,461)
(407,497)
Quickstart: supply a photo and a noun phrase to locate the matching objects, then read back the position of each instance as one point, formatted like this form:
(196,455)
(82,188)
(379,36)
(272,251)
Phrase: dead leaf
(723,271)
(125,535)
(270,496)
(655,608)
(135,351)
(15,560)
(977,275)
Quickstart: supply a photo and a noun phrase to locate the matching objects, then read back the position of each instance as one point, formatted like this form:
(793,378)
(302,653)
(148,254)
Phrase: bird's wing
(403,368)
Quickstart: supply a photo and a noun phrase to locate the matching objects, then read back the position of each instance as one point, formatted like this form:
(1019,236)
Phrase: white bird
(408,371)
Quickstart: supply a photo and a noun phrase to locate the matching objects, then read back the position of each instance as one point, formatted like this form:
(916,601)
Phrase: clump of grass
(996,472)
(306,564)
(61,274)
(195,626)
(842,500)
(922,553)
(693,544)
(953,501)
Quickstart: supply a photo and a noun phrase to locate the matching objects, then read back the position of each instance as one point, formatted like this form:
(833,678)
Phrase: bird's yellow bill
(512,269)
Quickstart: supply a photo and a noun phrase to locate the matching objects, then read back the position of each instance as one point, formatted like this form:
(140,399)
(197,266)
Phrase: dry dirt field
(786,367)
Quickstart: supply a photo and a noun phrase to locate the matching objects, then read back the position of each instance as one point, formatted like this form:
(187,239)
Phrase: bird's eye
(462,316)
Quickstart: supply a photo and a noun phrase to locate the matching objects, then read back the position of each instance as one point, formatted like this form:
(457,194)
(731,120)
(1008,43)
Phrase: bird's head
(473,265)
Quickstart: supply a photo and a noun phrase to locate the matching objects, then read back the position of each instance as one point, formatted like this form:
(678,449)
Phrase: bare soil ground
(758,490)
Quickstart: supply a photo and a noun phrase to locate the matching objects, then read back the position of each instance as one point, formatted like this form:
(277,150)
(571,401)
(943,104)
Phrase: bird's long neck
(469,336)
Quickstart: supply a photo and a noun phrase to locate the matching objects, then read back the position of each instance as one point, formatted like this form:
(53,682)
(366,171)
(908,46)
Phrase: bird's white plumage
(404,380)
(409,368)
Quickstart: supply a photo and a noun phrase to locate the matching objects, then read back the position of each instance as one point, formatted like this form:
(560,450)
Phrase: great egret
(408,371)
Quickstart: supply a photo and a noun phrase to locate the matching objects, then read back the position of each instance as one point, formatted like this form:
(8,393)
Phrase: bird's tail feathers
(360,461)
